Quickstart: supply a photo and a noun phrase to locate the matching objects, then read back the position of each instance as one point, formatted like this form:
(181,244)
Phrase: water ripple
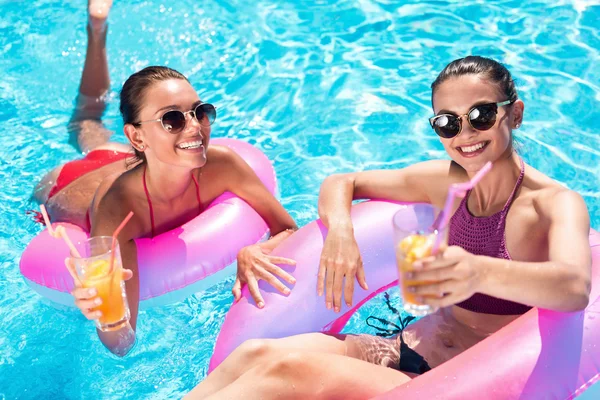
(320,86)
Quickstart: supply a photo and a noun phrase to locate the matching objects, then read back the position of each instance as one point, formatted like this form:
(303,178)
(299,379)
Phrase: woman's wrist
(487,277)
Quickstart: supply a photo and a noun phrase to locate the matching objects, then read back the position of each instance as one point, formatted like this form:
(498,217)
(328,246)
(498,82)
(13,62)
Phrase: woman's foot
(98,14)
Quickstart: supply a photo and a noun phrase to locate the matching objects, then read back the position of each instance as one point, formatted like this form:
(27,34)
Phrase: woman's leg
(310,375)
(252,353)
(95,80)
(86,128)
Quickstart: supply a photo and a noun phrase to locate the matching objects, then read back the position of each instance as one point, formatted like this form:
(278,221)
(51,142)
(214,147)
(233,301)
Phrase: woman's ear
(517,114)
(135,137)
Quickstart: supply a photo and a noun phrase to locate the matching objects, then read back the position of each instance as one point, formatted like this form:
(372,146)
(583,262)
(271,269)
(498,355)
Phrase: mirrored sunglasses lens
(483,117)
(173,121)
(446,126)
(206,113)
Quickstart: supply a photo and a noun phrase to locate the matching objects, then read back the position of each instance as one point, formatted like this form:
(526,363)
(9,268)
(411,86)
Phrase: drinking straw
(60,232)
(457,189)
(114,238)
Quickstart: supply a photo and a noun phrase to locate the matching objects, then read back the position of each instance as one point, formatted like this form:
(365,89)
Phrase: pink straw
(457,189)
(114,239)
(47,221)
(60,232)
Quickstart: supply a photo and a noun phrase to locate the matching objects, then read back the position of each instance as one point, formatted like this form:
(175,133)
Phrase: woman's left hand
(455,273)
(254,264)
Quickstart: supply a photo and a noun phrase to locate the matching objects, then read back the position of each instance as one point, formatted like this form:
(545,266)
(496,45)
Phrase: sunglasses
(174,121)
(481,118)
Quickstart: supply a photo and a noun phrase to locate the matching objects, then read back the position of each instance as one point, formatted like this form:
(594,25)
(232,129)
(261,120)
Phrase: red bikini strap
(149,201)
(197,192)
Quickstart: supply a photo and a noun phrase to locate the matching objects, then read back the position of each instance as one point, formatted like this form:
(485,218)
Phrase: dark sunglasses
(481,118)
(174,121)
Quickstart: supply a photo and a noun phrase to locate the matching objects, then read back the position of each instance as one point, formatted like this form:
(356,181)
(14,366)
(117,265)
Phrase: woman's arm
(244,183)
(423,182)
(254,261)
(111,211)
(562,283)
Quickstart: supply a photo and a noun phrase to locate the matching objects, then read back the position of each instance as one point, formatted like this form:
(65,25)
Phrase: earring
(142,147)
(517,126)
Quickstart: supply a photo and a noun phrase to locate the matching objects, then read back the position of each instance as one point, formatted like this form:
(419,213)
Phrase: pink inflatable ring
(172,265)
(542,354)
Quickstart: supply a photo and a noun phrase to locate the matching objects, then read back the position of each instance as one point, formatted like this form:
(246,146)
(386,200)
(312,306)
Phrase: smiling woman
(174,177)
(181,100)
(516,241)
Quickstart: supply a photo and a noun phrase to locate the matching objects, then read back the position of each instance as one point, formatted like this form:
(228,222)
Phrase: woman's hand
(254,264)
(86,299)
(340,258)
(455,274)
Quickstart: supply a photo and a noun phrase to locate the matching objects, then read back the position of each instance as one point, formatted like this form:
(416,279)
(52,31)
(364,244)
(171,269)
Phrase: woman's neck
(496,187)
(167,183)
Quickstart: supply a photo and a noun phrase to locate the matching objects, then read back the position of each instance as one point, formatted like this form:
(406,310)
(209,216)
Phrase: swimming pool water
(321,86)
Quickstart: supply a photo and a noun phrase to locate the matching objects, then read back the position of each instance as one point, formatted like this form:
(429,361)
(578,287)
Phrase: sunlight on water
(321,86)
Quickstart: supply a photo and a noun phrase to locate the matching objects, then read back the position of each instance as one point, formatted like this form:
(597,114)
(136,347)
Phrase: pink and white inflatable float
(172,265)
(542,354)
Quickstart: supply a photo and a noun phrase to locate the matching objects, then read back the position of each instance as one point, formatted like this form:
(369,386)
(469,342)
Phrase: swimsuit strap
(197,192)
(517,185)
(504,210)
(410,360)
(150,201)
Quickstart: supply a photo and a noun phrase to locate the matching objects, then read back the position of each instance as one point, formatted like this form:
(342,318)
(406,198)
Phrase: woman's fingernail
(286,291)
(336,309)
(92,292)
(98,314)
(293,280)
(418,264)
(328,305)
(98,301)
(261,304)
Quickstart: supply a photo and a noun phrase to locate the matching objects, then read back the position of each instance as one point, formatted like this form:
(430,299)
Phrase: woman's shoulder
(223,160)
(122,184)
(117,190)
(540,185)
(439,173)
(116,196)
(549,196)
(218,154)
(433,178)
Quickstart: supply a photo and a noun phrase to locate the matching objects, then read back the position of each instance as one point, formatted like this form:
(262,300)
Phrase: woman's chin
(471,165)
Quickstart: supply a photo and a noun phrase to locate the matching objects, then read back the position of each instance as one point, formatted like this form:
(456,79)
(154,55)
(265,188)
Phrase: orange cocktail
(412,248)
(414,236)
(94,271)
(108,286)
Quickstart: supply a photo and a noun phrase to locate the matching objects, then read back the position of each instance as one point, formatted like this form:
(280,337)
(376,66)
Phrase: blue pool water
(321,86)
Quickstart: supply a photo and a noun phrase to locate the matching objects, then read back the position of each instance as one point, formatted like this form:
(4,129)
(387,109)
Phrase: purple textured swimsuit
(485,236)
